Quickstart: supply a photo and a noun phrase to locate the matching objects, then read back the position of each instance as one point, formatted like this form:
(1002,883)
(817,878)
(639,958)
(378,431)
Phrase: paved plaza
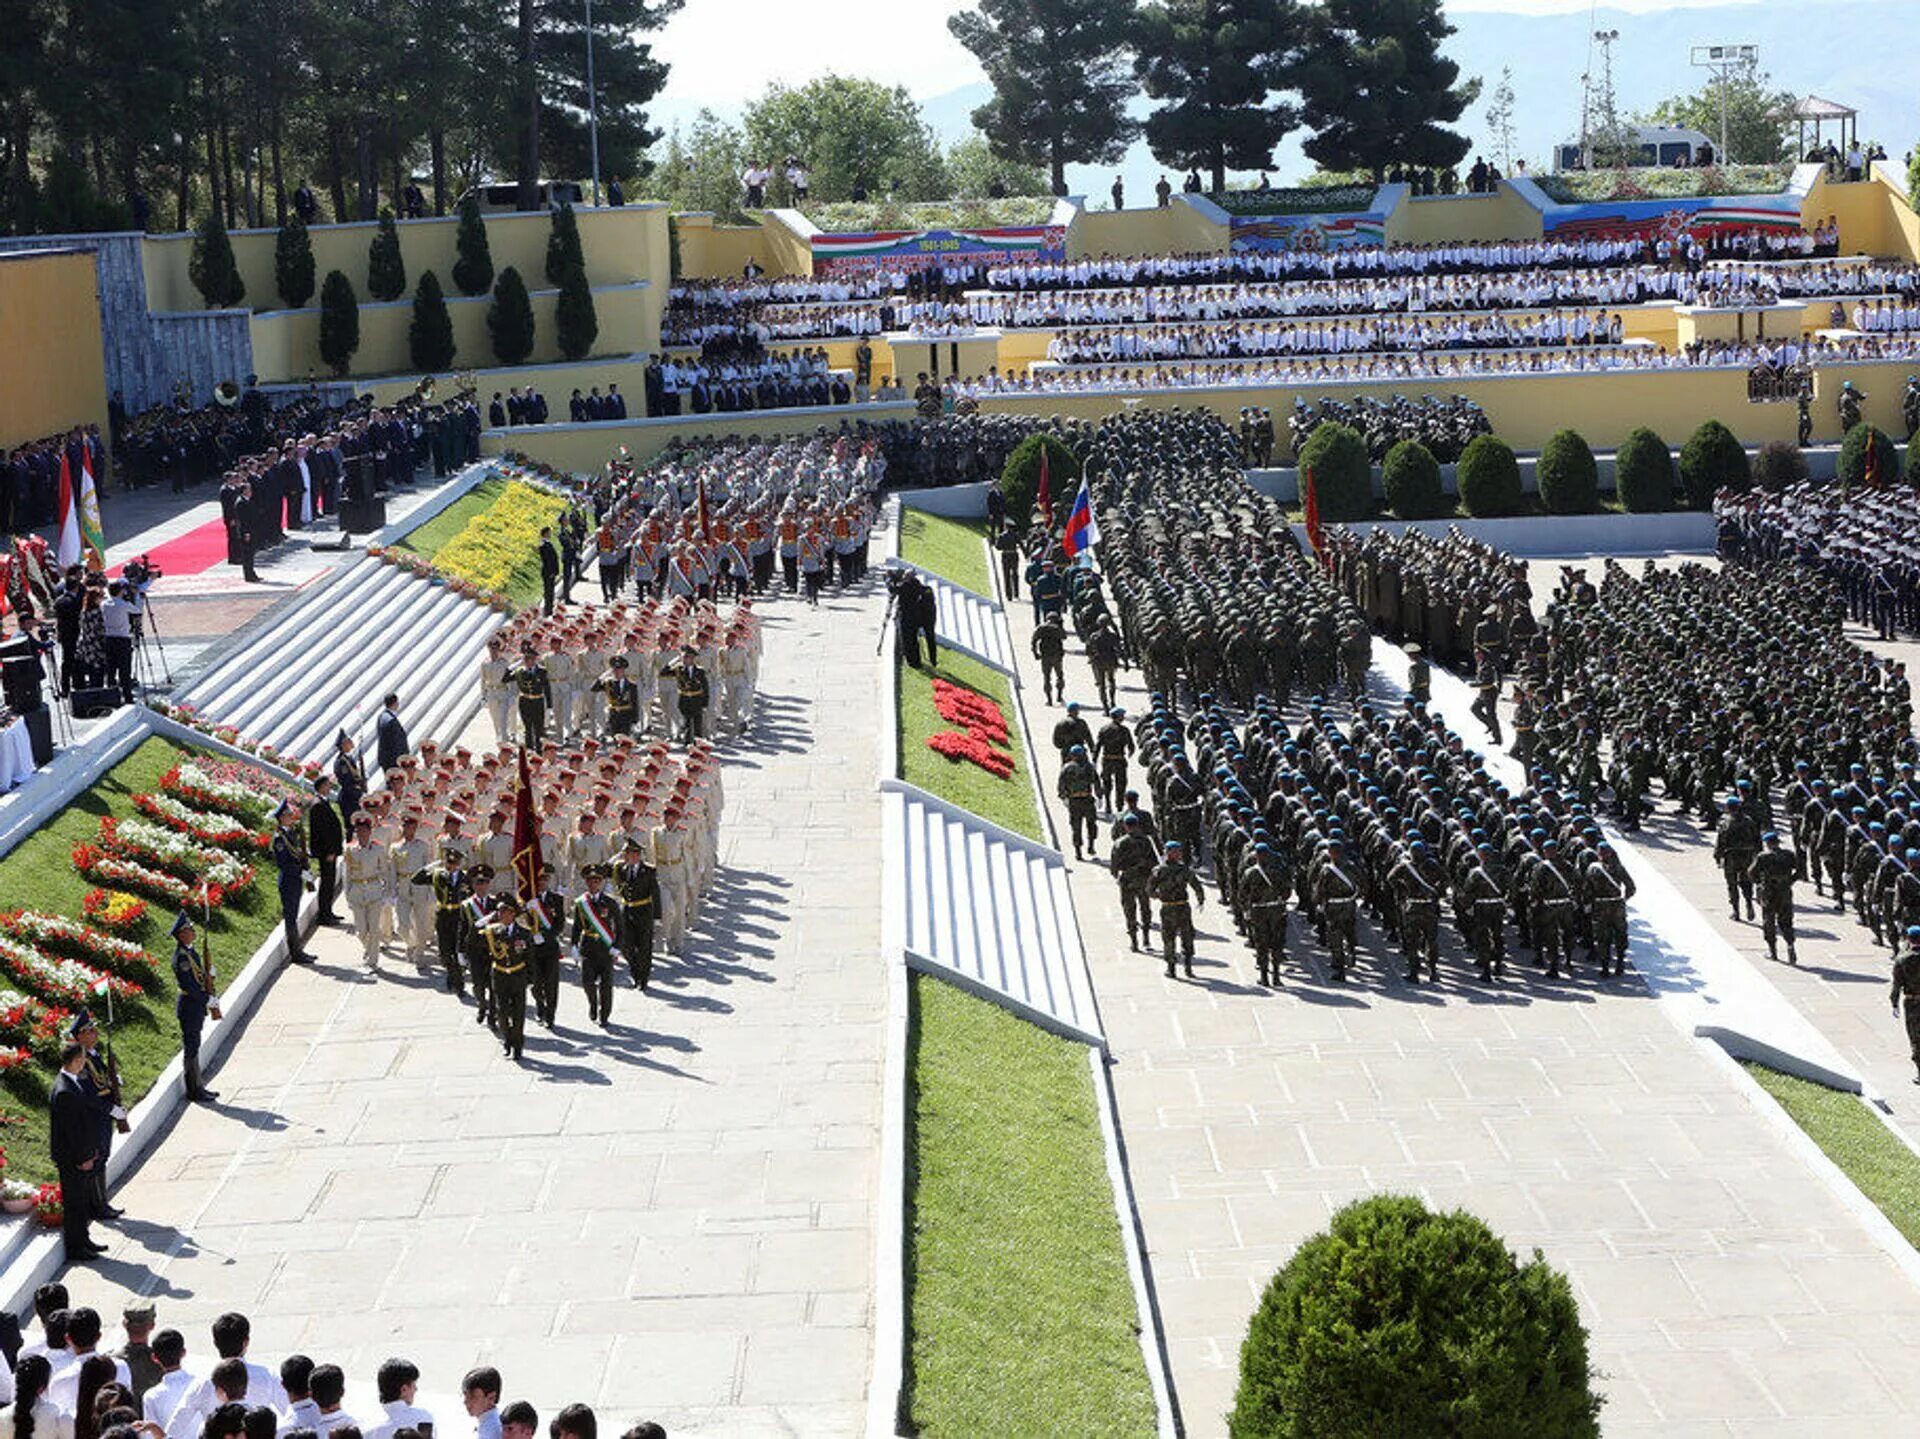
(1727,1287)
(673,1220)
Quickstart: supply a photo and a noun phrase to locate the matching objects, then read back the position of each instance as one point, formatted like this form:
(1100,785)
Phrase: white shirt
(64,1391)
(487,1425)
(325,1424)
(400,1415)
(301,1414)
(164,1398)
(50,1421)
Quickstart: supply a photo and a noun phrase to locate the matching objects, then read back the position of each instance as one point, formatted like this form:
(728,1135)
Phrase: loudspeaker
(20,674)
(96,702)
(40,734)
(363,517)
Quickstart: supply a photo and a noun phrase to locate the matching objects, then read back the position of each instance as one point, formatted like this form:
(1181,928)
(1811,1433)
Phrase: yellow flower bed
(502,542)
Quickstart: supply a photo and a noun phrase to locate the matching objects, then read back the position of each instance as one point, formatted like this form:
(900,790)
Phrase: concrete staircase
(969,623)
(326,660)
(985,909)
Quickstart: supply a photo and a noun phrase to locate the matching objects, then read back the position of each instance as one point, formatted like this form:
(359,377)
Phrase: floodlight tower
(1726,62)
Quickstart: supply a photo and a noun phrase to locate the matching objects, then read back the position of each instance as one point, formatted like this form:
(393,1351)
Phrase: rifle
(893,601)
(206,947)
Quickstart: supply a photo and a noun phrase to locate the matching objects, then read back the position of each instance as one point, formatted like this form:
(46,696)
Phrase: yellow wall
(709,251)
(582,448)
(1177,230)
(1865,212)
(1502,215)
(788,250)
(286,343)
(621,245)
(52,370)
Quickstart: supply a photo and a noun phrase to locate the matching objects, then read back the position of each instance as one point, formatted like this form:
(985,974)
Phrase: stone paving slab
(1722,1280)
(672,1220)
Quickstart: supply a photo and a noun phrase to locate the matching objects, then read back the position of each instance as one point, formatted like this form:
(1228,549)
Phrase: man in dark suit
(350,774)
(549,568)
(390,740)
(616,403)
(496,413)
(326,842)
(74,1142)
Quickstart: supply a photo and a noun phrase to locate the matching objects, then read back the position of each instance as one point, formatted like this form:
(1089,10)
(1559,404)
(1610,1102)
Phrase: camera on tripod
(141,571)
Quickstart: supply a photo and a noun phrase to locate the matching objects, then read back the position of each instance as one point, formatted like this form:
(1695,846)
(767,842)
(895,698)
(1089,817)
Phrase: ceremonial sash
(592,917)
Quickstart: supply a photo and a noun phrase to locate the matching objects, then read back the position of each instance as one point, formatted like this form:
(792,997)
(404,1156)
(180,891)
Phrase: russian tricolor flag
(1083,530)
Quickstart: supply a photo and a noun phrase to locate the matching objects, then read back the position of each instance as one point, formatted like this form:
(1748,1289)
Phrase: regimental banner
(1652,219)
(1306,234)
(918,249)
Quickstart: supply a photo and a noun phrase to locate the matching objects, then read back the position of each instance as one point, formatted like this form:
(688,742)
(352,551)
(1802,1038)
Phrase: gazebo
(1819,112)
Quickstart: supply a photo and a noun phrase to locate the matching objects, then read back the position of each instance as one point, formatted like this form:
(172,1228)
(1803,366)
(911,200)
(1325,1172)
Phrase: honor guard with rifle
(196,1003)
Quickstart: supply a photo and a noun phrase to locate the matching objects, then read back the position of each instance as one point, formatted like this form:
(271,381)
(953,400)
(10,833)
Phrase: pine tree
(1378,92)
(212,269)
(510,319)
(339,321)
(473,257)
(386,266)
(1061,80)
(563,246)
(575,324)
(430,336)
(1212,65)
(293,273)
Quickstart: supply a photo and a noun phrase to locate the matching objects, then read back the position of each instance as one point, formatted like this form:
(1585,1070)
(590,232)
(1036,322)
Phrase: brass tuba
(423,392)
(226,394)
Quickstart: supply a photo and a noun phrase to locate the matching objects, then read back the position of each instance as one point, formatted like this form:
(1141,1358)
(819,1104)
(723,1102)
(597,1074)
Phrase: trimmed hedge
(1643,473)
(386,263)
(1713,460)
(1020,479)
(1569,478)
(293,269)
(212,268)
(1489,478)
(1411,477)
(1779,465)
(1400,1321)
(430,340)
(510,318)
(1853,457)
(1336,456)
(339,321)
(473,262)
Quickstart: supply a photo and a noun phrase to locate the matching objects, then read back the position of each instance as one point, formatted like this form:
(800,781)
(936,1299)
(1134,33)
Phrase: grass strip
(1021,1319)
(38,875)
(955,550)
(1007,802)
(1868,1153)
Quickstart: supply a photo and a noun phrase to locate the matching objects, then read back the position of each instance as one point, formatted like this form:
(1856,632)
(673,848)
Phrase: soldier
(1007,543)
(546,917)
(1076,786)
(1774,870)
(447,880)
(1169,884)
(1263,888)
(1419,674)
(477,911)
(1049,645)
(1071,730)
(509,945)
(623,699)
(535,692)
(1552,909)
(1103,655)
(195,1005)
(1132,862)
(413,916)
(366,870)
(1114,744)
(1734,848)
(1336,899)
(1486,681)
(597,923)
(638,889)
(1416,891)
(1180,799)
(1481,898)
(1606,888)
(1049,593)
(690,683)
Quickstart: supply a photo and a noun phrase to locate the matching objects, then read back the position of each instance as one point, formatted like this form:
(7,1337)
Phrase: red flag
(1310,506)
(1043,497)
(526,837)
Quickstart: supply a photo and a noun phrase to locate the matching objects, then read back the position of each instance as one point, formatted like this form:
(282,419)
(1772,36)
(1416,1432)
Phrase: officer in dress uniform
(350,774)
(101,1080)
(531,684)
(447,877)
(290,865)
(690,682)
(477,913)
(193,977)
(547,918)
(365,866)
(623,698)
(510,946)
(637,885)
(595,936)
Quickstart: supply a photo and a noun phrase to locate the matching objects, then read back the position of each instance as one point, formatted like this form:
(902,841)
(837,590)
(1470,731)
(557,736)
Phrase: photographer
(117,614)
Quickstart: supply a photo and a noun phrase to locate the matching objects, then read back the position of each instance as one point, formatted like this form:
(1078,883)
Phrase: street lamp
(1725,61)
(593,112)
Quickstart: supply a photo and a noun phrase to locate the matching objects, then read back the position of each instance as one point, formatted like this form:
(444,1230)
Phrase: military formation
(1866,542)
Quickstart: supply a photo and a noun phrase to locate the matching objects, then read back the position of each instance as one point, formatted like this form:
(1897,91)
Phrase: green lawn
(1883,1168)
(953,549)
(1007,802)
(438,532)
(39,875)
(1020,1317)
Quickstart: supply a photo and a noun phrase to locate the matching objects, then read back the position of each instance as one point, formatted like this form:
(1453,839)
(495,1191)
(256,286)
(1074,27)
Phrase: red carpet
(197,550)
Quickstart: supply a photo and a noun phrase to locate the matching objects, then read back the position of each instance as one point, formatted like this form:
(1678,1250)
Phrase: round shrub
(1489,478)
(1336,457)
(1399,1321)
(1855,468)
(1643,473)
(1411,476)
(1778,465)
(1020,479)
(1569,479)
(1713,460)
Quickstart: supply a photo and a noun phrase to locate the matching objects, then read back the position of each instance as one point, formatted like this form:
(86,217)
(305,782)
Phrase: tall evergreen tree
(564,254)
(1212,66)
(211,266)
(1061,80)
(1378,92)
(510,319)
(386,265)
(339,321)
(575,324)
(430,335)
(473,257)
(293,272)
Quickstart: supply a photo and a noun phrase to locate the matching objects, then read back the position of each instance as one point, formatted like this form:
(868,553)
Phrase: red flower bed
(219,830)
(113,911)
(982,736)
(97,865)
(56,934)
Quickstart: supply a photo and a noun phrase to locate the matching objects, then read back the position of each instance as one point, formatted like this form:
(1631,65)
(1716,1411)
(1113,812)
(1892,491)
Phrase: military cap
(480,873)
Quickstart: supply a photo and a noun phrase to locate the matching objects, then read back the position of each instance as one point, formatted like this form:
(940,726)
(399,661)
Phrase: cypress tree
(339,322)
(510,319)
(563,246)
(386,266)
(293,274)
(473,258)
(575,323)
(430,336)
(211,266)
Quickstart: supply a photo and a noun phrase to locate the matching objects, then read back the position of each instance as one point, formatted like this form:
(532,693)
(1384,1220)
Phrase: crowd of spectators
(30,475)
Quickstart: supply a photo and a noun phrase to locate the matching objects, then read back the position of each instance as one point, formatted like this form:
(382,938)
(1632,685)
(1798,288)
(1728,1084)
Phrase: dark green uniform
(1050,648)
(1263,888)
(510,953)
(1734,848)
(1906,987)
(1773,872)
(1132,861)
(450,889)
(1170,884)
(530,683)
